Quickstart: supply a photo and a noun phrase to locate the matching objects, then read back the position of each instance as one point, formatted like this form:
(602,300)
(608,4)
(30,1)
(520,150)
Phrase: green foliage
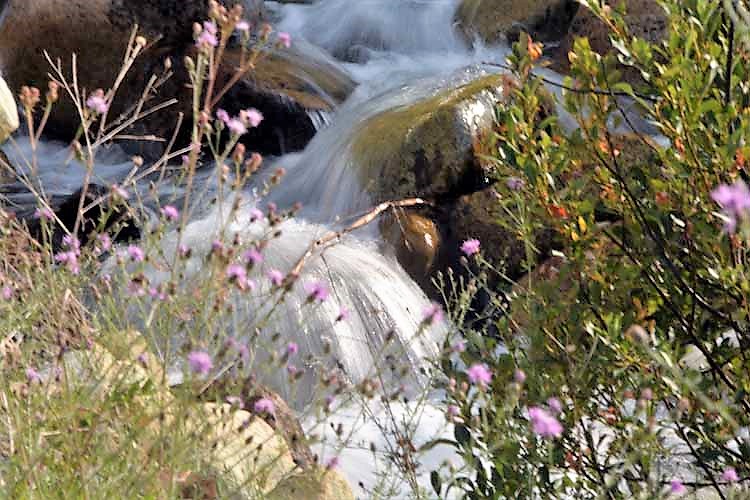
(645,279)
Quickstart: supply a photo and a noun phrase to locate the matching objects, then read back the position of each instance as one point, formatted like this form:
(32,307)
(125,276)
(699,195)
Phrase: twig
(360,222)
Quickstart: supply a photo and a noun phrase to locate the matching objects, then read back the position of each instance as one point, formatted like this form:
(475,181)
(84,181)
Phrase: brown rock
(493,20)
(97,31)
(315,484)
(644,18)
(416,240)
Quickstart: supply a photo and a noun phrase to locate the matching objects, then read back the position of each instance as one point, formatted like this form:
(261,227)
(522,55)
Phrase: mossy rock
(315,484)
(427,149)
(492,20)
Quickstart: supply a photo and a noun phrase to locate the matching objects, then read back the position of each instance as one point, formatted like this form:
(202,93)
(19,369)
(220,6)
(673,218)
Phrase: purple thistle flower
(222,115)
(264,405)
(256,215)
(343,314)
(479,374)
(470,247)
(135,253)
(292,348)
(734,201)
(236,126)
(459,346)
(200,362)
(730,475)
(543,424)
(332,463)
(72,243)
(676,487)
(252,116)
(104,243)
(519,376)
(317,292)
(170,212)
(7,293)
(44,213)
(70,259)
(236,272)
(97,102)
(285,39)
(514,183)
(253,256)
(555,405)
(276,277)
(33,376)
(432,313)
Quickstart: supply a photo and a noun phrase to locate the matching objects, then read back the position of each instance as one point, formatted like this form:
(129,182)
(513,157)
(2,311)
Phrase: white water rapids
(398,51)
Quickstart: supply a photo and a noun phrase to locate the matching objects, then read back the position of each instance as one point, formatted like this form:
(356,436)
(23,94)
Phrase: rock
(284,421)
(416,240)
(120,222)
(98,31)
(427,149)
(316,484)
(645,19)
(244,447)
(8,113)
(492,20)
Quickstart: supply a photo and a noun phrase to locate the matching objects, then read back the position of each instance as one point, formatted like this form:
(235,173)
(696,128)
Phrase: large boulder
(493,20)
(97,31)
(645,19)
(426,149)
(430,149)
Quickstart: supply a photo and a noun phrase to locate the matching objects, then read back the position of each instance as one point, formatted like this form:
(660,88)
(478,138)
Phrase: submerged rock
(97,31)
(493,20)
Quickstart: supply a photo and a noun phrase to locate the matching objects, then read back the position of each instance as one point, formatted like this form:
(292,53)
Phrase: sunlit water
(398,51)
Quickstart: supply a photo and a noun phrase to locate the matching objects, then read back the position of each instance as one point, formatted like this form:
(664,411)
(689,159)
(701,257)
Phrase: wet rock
(645,19)
(416,240)
(427,149)
(316,484)
(118,220)
(98,31)
(493,20)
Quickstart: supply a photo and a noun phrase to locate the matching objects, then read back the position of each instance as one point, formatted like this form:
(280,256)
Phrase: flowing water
(398,51)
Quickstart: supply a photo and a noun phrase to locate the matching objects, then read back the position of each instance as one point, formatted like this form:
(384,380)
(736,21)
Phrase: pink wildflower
(236,272)
(135,253)
(730,475)
(519,376)
(243,26)
(222,115)
(479,374)
(253,256)
(514,183)
(7,293)
(33,376)
(343,314)
(285,39)
(97,103)
(734,201)
(200,362)
(432,313)
(544,424)
(677,487)
(236,126)
(170,212)
(555,405)
(44,213)
(317,292)
(276,277)
(70,259)
(332,463)
(256,215)
(470,247)
(292,348)
(253,117)
(264,405)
